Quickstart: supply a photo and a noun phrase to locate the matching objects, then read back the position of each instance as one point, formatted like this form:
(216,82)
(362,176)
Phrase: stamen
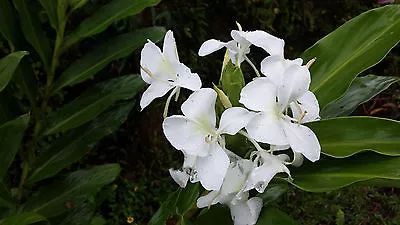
(147,71)
(309,63)
(302,115)
(252,65)
(165,114)
(239,26)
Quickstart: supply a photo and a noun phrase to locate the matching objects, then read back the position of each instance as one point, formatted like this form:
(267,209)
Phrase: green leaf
(93,102)
(274,216)
(5,196)
(187,198)
(217,214)
(166,210)
(352,48)
(25,218)
(76,4)
(8,65)
(9,26)
(26,80)
(330,174)
(273,192)
(79,215)
(76,187)
(360,91)
(103,54)
(102,18)
(11,134)
(76,143)
(31,27)
(345,136)
(232,82)
(51,9)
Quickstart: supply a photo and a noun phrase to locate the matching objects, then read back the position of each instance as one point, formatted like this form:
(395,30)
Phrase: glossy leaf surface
(345,136)
(360,91)
(8,65)
(352,48)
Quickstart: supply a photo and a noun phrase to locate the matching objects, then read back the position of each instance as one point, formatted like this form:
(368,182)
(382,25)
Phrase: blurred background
(140,146)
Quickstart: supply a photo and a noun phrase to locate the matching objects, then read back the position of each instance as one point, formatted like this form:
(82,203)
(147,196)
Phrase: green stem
(25,170)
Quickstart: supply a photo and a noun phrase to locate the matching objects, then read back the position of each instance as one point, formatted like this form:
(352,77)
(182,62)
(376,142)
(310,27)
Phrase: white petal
(180,177)
(246,212)
(169,48)
(210,46)
(260,177)
(211,169)
(271,44)
(186,135)
(155,90)
(200,107)
(274,67)
(189,161)
(151,57)
(259,95)
(234,119)
(186,79)
(279,147)
(266,127)
(302,140)
(236,176)
(295,83)
(306,103)
(208,200)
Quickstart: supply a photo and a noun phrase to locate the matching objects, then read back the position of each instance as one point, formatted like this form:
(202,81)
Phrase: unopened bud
(223,97)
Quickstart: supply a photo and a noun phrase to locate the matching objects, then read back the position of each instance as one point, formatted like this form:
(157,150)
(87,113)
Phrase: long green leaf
(8,65)
(76,143)
(11,134)
(103,54)
(9,26)
(51,9)
(187,199)
(345,136)
(5,196)
(166,210)
(217,214)
(360,91)
(50,200)
(330,174)
(26,218)
(26,80)
(274,216)
(93,102)
(352,48)
(31,27)
(102,18)
(80,215)
(76,4)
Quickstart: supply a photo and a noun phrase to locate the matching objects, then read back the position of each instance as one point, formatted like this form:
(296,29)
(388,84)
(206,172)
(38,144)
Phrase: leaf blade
(8,65)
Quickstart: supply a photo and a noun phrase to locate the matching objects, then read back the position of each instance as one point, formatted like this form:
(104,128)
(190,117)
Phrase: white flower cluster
(277,105)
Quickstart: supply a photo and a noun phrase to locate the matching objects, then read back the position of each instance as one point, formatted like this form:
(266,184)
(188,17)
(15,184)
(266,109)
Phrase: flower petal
(246,212)
(268,42)
(302,140)
(260,177)
(200,107)
(169,48)
(236,176)
(180,177)
(296,81)
(210,46)
(259,95)
(306,103)
(234,119)
(266,127)
(186,135)
(155,90)
(208,199)
(211,169)
(186,79)
(274,67)
(150,59)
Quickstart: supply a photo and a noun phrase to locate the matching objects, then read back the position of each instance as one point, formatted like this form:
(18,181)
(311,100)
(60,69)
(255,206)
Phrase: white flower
(163,71)
(268,166)
(240,45)
(244,211)
(272,124)
(195,134)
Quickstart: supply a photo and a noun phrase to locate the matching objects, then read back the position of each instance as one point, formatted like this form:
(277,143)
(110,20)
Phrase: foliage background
(143,152)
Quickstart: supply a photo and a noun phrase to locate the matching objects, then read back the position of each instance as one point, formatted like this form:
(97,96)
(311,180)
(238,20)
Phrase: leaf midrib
(360,49)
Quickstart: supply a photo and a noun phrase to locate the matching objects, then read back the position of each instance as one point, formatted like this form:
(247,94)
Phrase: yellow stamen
(302,115)
(129,219)
(146,70)
(311,62)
